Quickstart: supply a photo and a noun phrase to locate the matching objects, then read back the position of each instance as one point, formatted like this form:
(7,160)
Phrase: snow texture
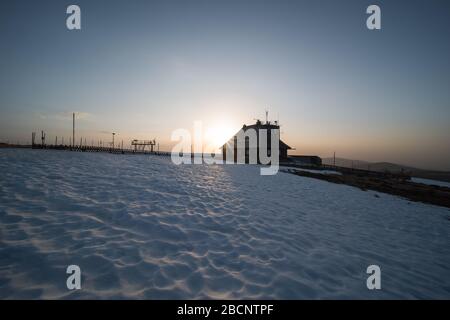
(431,182)
(140,227)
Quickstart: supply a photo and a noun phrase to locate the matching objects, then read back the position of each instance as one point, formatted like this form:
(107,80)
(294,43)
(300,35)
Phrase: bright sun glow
(216,136)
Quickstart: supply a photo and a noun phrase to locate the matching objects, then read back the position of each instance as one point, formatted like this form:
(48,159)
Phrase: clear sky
(146,68)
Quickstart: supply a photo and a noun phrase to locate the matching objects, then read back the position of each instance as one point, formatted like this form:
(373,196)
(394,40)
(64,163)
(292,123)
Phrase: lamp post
(113,134)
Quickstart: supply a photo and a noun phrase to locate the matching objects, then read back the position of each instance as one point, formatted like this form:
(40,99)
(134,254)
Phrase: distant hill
(391,167)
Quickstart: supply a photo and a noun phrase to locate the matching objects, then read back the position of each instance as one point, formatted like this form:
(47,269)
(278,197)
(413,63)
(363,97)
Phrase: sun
(216,136)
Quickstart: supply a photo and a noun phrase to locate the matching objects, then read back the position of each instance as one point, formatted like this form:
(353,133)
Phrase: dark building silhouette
(283,147)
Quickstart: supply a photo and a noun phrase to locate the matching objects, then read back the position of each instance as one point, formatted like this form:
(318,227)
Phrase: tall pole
(334,159)
(73,130)
(113,134)
(42,138)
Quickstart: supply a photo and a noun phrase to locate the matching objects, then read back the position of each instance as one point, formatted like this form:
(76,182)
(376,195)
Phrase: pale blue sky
(146,68)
